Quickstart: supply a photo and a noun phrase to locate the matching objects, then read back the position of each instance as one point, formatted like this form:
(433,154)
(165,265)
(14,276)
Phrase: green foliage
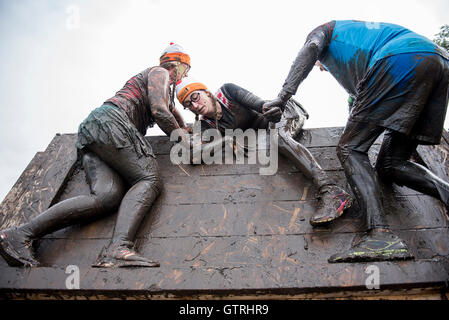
(442,38)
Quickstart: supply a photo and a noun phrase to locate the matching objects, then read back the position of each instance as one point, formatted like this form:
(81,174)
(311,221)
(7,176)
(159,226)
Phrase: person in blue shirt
(400,83)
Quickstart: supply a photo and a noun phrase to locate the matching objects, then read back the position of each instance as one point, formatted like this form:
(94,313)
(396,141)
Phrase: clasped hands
(273,109)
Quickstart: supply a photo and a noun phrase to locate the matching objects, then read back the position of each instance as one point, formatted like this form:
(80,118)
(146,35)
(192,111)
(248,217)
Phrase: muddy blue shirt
(349,48)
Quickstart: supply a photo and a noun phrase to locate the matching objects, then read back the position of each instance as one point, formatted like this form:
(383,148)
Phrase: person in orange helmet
(120,166)
(234,107)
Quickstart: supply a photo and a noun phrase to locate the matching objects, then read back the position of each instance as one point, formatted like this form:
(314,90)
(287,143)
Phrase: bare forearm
(167,123)
(158,92)
(179,118)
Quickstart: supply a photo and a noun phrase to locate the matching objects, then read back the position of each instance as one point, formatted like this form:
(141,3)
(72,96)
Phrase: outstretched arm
(247,99)
(316,44)
(243,97)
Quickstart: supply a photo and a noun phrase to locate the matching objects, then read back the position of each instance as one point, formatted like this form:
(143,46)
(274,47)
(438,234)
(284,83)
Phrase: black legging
(302,158)
(102,163)
(392,164)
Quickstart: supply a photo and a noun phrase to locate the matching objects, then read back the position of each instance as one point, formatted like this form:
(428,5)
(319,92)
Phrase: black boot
(16,248)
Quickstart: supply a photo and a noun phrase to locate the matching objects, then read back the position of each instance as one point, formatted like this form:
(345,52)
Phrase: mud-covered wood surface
(227,230)
(40,183)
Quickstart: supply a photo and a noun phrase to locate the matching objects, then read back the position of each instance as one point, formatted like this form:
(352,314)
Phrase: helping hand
(272,111)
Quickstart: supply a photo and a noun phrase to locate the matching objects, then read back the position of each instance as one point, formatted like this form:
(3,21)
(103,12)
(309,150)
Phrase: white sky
(55,69)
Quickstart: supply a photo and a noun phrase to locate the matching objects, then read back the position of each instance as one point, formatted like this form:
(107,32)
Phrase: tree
(442,38)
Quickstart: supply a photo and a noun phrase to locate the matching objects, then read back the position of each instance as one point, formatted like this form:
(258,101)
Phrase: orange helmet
(174,52)
(186,86)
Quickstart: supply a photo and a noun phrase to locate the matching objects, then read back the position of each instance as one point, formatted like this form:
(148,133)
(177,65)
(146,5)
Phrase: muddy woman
(120,167)
(234,107)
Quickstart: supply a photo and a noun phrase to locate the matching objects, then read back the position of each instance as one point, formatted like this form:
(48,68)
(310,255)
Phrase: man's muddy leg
(332,199)
(380,243)
(393,165)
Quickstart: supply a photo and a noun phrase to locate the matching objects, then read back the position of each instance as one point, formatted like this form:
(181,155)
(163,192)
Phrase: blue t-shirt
(357,45)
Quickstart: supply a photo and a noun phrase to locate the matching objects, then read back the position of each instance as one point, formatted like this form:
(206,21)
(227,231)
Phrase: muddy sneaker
(375,246)
(334,201)
(16,248)
(122,256)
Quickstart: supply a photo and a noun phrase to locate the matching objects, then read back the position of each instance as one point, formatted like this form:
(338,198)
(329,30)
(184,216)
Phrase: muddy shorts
(407,93)
(109,125)
(109,133)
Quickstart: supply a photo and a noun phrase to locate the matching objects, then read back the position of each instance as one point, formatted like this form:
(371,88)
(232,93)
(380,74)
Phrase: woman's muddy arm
(158,89)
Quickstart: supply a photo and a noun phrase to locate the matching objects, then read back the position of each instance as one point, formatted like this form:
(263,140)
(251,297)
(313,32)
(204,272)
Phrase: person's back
(400,82)
(133,99)
(355,47)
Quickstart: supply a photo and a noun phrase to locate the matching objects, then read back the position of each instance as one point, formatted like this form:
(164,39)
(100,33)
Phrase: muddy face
(178,72)
(200,103)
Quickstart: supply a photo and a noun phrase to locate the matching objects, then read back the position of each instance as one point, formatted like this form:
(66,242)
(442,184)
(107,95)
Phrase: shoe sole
(401,256)
(126,264)
(329,220)
(12,261)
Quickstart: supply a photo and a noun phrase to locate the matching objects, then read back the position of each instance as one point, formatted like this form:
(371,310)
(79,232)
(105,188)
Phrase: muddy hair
(215,101)
(172,88)
(212,96)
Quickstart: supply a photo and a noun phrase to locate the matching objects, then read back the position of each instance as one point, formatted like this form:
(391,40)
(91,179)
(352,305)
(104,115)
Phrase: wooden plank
(11,207)
(317,137)
(238,263)
(435,292)
(228,230)
(322,143)
(272,251)
(435,159)
(162,144)
(260,218)
(408,205)
(188,281)
(324,137)
(325,156)
(40,183)
(245,188)
(250,188)
(320,137)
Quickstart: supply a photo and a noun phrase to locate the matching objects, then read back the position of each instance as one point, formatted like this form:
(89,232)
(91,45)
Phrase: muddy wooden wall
(226,230)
